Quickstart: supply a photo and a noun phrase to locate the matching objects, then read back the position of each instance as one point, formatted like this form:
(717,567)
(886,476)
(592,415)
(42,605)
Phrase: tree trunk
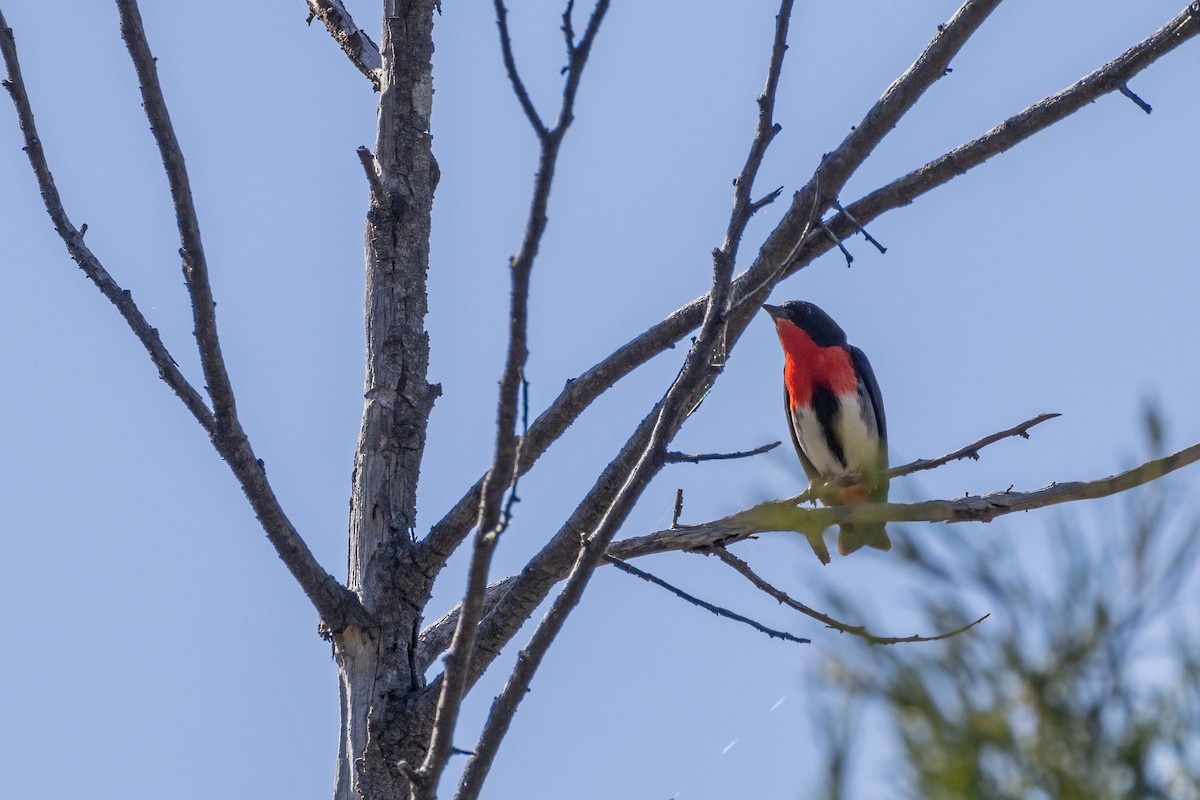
(377,667)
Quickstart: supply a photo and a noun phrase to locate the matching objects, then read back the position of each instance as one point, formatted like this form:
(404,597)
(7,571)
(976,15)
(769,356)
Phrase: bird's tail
(870,534)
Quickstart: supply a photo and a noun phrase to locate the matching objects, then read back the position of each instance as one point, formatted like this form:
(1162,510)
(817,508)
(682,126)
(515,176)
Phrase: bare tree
(397,729)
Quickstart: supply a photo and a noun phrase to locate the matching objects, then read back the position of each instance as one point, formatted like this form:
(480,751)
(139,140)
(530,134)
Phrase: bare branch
(765,131)
(1012,131)
(336,606)
(836,168)
(514,76)
(168,370)
(765,200)
(870,239)
(782,515)
(568,27)
(834,237)
(362,52)
(195,267)
(673,457)
(972,450)
(856,630)
(504,470)
(696,601)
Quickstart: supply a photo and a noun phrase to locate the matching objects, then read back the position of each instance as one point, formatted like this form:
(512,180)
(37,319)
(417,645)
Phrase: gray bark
(376,665)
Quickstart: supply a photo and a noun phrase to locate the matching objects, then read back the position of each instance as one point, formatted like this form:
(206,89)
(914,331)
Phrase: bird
(835,415)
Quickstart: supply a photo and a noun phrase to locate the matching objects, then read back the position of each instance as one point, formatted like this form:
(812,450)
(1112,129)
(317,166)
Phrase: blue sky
(157,647)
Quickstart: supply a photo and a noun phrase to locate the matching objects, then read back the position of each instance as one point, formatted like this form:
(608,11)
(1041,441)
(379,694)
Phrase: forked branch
(72,237)
(195,265)
(629,569)
(337,606)
(743,569)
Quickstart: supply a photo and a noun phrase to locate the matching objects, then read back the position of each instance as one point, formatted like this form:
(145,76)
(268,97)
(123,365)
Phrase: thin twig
(838,242)
(514,76)
(568,29)
(972,450)
(856,630)
(674,457)
(819,490)
(195,266)
(718,610)
(494,515)
(871,239)
(711,536)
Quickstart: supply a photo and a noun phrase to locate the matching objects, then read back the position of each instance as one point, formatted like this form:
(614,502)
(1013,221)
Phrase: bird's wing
(879,486)
(863,368)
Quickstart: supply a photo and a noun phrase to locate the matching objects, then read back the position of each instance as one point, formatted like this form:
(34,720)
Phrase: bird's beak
(775,311)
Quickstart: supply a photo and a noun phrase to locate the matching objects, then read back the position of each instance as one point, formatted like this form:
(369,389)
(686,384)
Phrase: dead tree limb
(358,47)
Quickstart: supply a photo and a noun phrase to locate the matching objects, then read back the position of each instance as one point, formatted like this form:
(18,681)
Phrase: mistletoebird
(835,415)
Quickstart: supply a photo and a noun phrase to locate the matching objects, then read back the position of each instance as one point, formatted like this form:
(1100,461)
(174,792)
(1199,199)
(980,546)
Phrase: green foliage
(1085,682)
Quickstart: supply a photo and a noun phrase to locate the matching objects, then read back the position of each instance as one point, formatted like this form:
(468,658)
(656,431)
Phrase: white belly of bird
(856,430)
